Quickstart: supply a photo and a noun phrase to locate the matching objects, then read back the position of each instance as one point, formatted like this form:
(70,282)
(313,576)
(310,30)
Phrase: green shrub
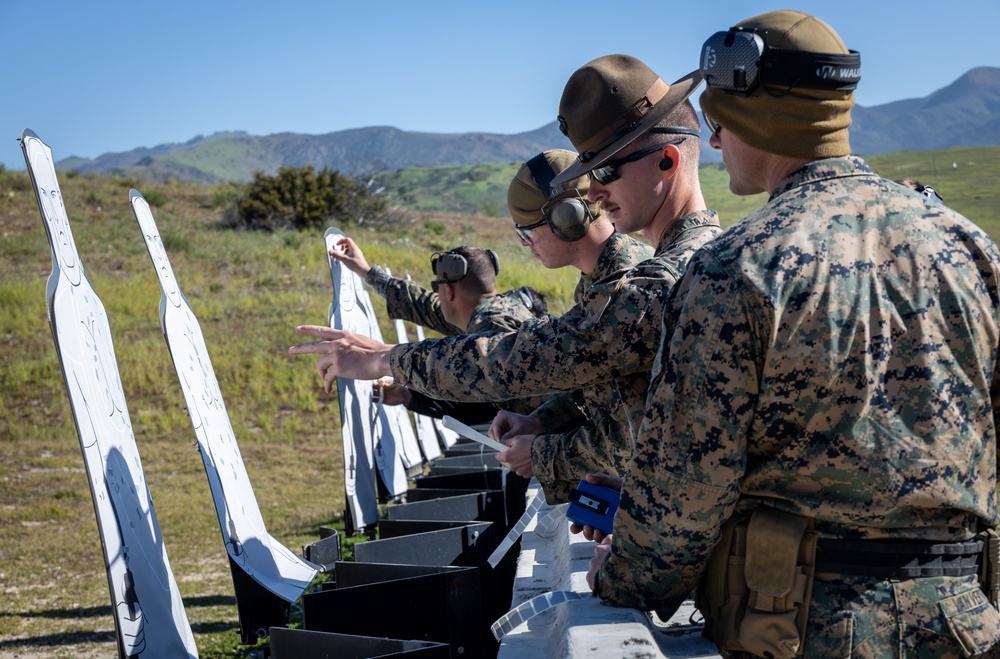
(155,198)
(300,198)
(225,194)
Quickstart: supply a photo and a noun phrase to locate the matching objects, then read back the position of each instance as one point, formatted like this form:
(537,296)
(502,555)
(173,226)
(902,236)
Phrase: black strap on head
(737,61)
(451,266)
(543,174)
(495,260)
(799,68)
(570,218)
(675,130)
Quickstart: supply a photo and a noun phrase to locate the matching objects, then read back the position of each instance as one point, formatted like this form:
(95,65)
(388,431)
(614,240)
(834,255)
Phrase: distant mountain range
(965,113)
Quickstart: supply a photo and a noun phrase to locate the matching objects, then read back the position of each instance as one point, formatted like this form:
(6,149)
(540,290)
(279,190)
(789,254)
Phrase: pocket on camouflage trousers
(973,621)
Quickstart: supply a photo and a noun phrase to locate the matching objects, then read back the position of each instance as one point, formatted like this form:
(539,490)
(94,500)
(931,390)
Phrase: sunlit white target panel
(370,447)
(250,547)
(149,615)
(423,443)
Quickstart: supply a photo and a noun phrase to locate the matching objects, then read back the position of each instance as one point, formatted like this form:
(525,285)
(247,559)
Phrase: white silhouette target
(245,537)
(149,615)
(367,434)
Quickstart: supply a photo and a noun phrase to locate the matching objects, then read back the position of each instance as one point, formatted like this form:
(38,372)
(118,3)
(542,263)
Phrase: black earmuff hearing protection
(740,59)
(666,163)
(450,267)
(569,218)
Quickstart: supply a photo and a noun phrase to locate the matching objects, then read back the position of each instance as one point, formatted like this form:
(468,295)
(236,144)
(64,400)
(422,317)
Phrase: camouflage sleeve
(561,461)
(378,279)
(560,413)
(613,331)
(690,456)
(405,299)
(995,397)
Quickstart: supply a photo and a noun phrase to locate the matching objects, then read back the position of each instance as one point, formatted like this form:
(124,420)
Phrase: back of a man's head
(481,271)
(798,118)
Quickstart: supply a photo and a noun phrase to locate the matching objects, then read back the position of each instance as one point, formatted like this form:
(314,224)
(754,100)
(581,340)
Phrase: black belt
(895,559)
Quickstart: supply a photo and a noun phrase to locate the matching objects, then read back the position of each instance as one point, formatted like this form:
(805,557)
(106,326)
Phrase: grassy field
(248,291)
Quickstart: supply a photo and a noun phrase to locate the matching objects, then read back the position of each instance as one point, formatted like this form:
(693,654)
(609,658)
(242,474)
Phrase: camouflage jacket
(405,299)
(504,312)
(612,333)
(620,253)
(587,429)
(567,411)
(834,354)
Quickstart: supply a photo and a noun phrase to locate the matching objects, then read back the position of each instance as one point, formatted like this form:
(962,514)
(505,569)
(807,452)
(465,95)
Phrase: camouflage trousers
(854,616)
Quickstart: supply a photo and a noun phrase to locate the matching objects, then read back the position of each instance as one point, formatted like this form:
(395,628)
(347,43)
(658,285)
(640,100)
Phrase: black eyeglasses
(574,205)
(523,231)
(608,172)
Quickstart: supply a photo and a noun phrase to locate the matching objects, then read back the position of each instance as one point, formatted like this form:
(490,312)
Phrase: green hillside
(969,187)
(965,177)
(469,189)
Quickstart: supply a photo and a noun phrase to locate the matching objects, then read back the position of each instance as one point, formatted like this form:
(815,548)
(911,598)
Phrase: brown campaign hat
(609,103)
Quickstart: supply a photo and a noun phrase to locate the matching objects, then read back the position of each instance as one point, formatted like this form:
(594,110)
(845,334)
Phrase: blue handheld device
(593,505)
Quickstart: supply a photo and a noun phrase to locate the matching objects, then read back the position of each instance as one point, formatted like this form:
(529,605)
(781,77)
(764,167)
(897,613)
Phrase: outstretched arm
(343,354)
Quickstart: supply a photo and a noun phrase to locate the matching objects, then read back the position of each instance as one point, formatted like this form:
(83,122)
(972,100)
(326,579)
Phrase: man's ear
(670,160)
(449,291)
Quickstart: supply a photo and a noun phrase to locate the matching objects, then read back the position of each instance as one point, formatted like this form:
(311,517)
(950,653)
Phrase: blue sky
(108,75)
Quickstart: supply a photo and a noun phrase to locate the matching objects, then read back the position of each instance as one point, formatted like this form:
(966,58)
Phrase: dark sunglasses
(608,172)
(712,124)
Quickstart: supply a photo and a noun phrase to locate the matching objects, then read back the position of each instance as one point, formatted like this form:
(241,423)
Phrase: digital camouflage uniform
(585,428)
(504,312)
(566,411)
(834,355)
(610,337)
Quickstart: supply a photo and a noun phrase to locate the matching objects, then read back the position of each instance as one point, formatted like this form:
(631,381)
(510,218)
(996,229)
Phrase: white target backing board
(244,535)
(425,435)
(149,615)
(368,441)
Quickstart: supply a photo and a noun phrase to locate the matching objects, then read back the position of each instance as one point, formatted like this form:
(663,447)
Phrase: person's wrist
(382,360)
(534,425)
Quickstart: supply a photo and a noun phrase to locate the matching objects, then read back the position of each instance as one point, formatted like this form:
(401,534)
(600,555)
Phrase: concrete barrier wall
(554,560)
